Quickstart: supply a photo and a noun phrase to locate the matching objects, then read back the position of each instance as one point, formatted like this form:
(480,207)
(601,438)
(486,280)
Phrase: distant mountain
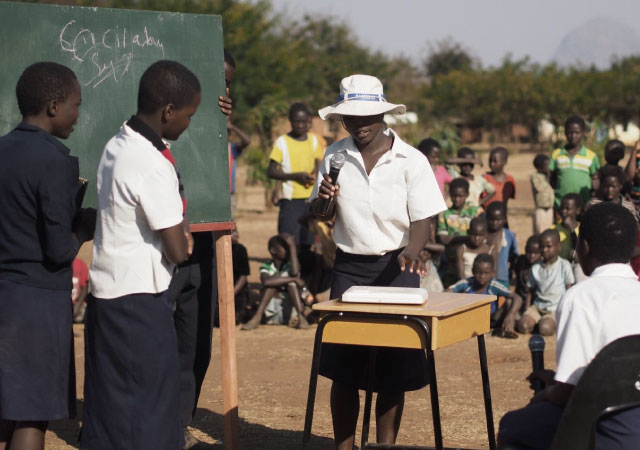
(596,42)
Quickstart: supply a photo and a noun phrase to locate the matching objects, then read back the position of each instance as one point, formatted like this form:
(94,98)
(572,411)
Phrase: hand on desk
(414,262)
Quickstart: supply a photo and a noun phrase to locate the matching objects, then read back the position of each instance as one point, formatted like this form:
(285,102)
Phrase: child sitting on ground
(569,226)
(280,278)
(503,239)
(476,243)
(431,149)
(523,263)
(504,184)
(543,194)
(241,271)
(549,279)
(482,282)
(478,186)
(453,225)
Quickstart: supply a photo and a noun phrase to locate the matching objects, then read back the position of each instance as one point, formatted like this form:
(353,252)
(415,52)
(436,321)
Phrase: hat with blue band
(360,95)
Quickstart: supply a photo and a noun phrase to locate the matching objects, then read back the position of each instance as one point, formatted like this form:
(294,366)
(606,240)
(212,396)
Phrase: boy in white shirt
(591,314)
(131,384)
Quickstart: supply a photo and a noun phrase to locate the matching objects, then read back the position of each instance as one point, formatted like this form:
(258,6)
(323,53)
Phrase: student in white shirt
(591,314)
(132,383)
(385,195)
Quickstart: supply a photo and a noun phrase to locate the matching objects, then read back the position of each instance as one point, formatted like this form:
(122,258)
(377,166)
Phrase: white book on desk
(386,295)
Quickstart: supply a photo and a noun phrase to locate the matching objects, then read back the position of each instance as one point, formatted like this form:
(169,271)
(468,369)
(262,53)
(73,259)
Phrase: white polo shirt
(374,211)
(593,313)
(137,196)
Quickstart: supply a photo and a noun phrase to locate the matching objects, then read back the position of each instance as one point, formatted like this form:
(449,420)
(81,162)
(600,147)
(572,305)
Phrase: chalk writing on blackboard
(107,53)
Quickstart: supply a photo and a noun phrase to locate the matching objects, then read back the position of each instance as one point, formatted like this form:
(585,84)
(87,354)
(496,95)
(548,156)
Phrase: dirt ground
(274,364)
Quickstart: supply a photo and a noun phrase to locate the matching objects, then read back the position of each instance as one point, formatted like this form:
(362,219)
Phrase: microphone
(336,163)
(536,346)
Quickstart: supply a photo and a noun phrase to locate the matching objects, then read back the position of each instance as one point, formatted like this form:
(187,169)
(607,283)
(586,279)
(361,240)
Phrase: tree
(446,56)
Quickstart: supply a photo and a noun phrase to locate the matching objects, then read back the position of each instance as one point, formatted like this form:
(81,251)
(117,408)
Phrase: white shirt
(374,211)
(137,195)
(593,313)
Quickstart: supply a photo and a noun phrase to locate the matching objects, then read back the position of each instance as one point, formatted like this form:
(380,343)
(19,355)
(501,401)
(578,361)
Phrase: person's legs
(547,325)
(532,426)
(529,320)
(28,436)
(294,294)
(6,431)
(345,407)
(267,295)
(389,409)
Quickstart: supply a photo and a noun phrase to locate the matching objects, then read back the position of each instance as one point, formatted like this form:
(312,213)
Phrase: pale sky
(488,28)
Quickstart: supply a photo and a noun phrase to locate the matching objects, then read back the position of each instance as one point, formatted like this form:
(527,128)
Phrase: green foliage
(447,56)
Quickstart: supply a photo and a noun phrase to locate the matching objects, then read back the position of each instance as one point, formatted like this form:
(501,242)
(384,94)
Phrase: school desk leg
(486,390)
(435,403)
(227,340)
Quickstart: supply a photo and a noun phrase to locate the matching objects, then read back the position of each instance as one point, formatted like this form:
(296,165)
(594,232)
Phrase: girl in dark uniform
(38,190)
(386,194)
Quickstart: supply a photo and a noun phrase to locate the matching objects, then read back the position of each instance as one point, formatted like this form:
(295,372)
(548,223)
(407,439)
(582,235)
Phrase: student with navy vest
(38,242)
(131,353)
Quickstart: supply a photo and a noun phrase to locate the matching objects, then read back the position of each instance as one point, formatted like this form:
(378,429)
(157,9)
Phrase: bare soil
(274,364)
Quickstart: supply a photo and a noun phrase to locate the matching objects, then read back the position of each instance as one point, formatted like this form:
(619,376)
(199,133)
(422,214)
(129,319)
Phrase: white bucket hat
(360,95)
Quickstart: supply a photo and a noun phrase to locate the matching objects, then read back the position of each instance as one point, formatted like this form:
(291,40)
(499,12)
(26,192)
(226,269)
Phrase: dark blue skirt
(131,389)
(397,370)
(37,372)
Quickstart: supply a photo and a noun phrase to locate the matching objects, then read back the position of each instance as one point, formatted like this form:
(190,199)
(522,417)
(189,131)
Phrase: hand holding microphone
(327,187)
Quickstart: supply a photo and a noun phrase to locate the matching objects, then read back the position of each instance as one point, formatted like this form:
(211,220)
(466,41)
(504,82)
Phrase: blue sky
(488,28)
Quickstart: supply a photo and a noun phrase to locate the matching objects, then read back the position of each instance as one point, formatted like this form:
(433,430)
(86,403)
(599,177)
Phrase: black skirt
(37,372)
(397,370)
(131,389)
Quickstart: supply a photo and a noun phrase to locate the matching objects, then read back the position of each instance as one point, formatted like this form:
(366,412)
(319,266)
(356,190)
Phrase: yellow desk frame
(445,319)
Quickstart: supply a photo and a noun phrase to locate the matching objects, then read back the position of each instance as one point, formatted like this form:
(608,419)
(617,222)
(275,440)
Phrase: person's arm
(631,168)
(509,321)
(226,104)
(174,243)
(187,234)
(278,280)
(555,392)
(245,140)
(509,190)
(434,248)
(489,190)
(527,301)
(240,283)
(460,261)
(410,256)
(293,254)
(275,171)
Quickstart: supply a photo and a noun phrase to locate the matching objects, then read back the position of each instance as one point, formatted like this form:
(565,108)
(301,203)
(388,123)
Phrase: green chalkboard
(109,49)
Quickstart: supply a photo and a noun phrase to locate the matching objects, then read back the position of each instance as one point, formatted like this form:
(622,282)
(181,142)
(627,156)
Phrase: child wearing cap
(382,204)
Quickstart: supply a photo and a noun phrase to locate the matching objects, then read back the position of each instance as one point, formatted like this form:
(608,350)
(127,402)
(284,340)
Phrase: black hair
(465,152)
(166,82)
(551,232)
(278,240)
(577,199)
(540,160)
(228,58)
(611,232)
(614,151)
(427,145)
(476,221)
(458,183)
(571,120)
(483,258)
(297,107)
(533,239)
(42,83)
(503,151)
(497,206)
(612,171)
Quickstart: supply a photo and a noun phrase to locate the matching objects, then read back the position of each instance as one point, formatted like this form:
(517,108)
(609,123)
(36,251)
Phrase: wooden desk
(445,319)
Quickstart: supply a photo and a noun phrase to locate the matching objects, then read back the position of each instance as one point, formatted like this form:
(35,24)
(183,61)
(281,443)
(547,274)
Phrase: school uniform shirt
(593,313)
(38,189)
(374,212)
(138,195)
(296,156)
(550,282)
(573,174)
(467,286)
